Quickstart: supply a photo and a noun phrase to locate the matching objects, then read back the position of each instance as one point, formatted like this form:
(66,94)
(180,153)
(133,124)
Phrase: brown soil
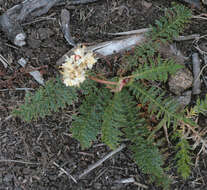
(48,140)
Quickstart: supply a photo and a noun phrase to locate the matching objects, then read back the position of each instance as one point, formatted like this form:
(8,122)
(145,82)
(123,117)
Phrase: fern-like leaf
(86,125)
(201,106)
(50,98)
(183,157)
(158,69)
(145,153)
(170,25)
(114,119)
(158,104)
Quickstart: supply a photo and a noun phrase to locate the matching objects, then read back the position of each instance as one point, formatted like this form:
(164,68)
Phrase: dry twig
(196,73)
(21,162)
(98,163)
(65,172)
(4,61)
(126,180)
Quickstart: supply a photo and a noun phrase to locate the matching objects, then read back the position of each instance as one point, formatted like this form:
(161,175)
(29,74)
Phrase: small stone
(33,43)
(184,99)
(45,33)
(17,188)
(146,4)
(97,185)
(26,171)
(180,81)
(8,178)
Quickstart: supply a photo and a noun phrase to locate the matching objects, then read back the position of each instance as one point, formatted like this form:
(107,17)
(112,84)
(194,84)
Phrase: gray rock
(180,81)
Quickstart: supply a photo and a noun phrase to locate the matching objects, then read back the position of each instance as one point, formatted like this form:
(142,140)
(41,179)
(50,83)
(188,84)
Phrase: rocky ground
(32,154)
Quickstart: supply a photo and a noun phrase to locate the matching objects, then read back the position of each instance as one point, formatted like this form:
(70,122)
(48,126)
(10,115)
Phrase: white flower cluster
(75,66)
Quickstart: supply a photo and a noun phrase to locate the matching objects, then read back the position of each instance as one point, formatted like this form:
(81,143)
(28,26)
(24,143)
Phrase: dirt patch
(45,142)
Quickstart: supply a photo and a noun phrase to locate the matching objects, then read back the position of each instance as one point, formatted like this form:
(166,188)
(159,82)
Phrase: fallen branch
(109,48)
(11,20)
(127,41)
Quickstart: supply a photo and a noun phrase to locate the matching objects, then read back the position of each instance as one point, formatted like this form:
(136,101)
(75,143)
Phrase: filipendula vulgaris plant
(115,107)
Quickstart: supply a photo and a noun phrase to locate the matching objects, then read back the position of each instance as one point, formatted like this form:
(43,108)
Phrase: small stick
(205,61)
(19,161)
(4,61)
(65,172)
(144,30)
(98,163)
(196,73)
(199,17)
(132,32)
(76,2)
(26,89)
(50,17)
(166,134)
(141,185)
(127,180)
(188,37)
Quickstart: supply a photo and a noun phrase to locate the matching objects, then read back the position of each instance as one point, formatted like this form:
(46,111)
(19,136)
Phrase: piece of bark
(35,74)
(196,74)
(109,48)
(127,42)
(65,25)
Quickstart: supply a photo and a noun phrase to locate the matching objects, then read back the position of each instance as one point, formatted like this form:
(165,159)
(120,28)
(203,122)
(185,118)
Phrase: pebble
(8,178)
(45,33)
(97,185)
(17,188)
(180,81)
